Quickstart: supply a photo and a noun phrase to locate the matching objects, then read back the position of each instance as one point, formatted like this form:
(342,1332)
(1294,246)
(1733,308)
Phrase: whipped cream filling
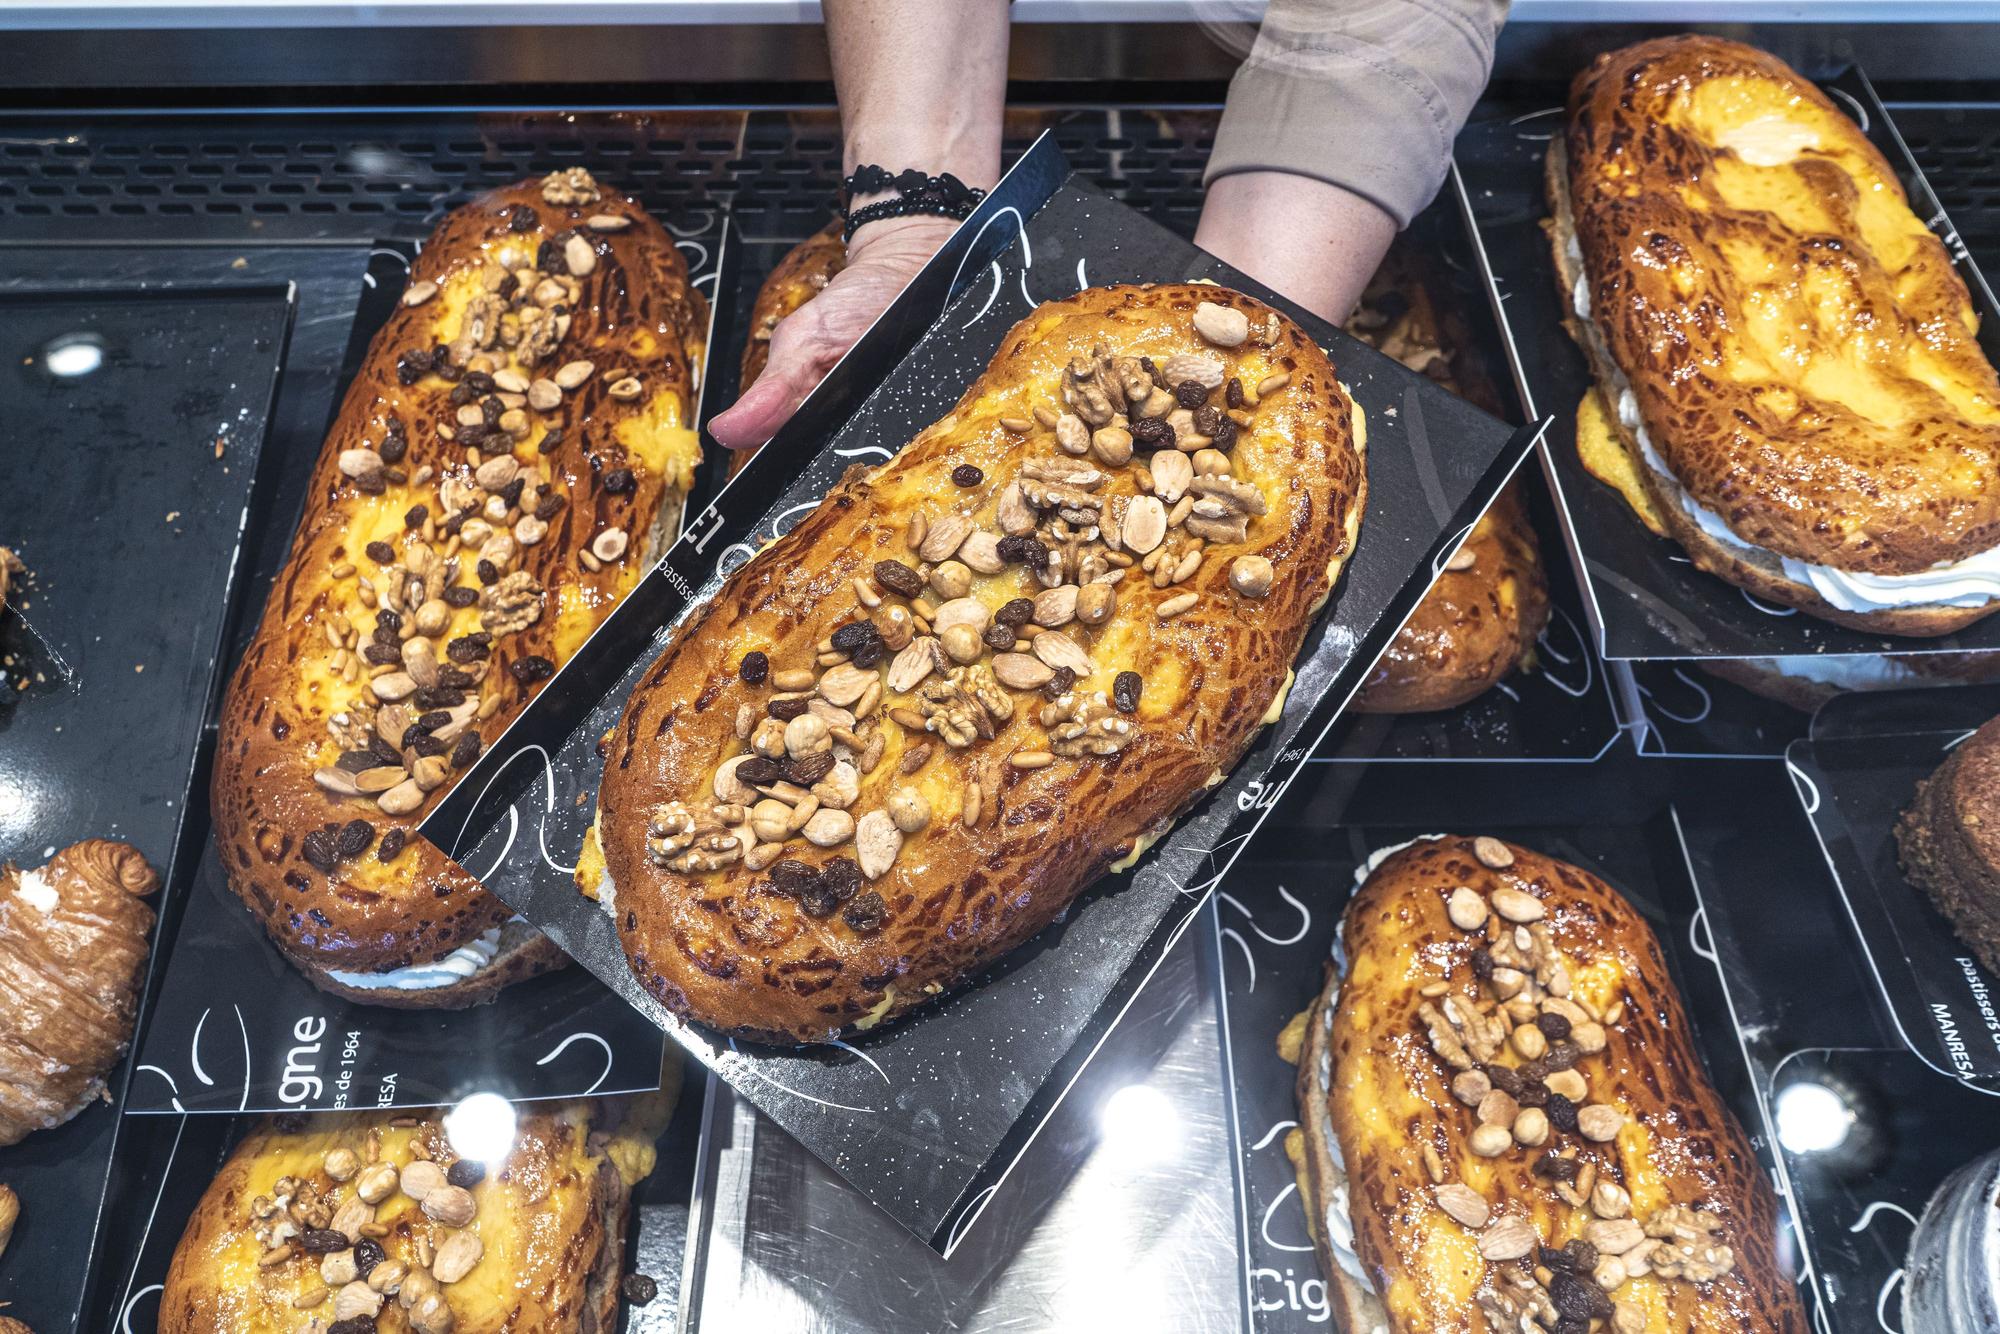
(1847,671)
(453,968)
(38,893)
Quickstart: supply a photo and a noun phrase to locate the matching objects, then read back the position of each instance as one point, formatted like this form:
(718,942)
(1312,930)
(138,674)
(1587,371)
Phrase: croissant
(73,942)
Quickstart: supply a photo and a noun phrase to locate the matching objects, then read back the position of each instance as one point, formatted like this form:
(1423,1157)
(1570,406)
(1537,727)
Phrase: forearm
(922,83)
(1317,243)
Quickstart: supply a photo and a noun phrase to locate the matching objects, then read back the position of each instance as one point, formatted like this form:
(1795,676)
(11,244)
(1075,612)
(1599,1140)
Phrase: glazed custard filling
(1972,582)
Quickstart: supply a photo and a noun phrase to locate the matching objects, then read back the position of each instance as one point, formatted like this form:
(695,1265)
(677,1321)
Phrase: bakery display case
(463,869)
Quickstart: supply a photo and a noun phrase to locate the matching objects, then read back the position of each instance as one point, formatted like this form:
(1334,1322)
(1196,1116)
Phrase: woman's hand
(805,345)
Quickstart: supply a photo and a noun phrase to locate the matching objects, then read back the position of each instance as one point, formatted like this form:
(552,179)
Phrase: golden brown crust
(1794,334)
(1322,1180)
(1756,572)
(549,1219)
(623,460)
(1478,622)
(1949,839)
(724,947)
(1406,1136)
(70,968)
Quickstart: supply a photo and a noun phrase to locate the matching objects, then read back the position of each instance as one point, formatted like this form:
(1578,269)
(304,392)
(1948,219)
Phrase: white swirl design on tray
(564,1046)
(696,252)
(991,296)
(514,816)
(1862,1223)
(125,1315)
(1697,932)
(1305,917)
(1027,251)
(1701,712)
(1960,739)
(152,1216)
(1808,790)
(1860,112)
(1272,1134)
(1768,608)
(973,1209)
(744,1065)
(680,231)
(175,1098)
(1550,651)
(1527,138)
(194,1051)
(855,1051)
(1264,1227)
(1889,1286)
(1249,959)
(865,451)
(1082,283)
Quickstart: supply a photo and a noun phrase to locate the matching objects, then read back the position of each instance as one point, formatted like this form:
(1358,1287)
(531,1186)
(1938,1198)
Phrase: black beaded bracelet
(917,195)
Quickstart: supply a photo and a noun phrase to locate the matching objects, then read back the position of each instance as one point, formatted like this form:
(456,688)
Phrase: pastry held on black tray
(1808,681)
(1950,841)
(906,735)
(1503,1123)
(384,1220)
(515,448)
(1788,379)
(74,936)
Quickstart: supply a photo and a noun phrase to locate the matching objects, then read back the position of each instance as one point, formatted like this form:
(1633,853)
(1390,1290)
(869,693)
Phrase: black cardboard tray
(183,1154)
(124,490)
(1675,709)
(1276,918)
(926,1118)
(1646,600)
(234,1027)
(1854,782)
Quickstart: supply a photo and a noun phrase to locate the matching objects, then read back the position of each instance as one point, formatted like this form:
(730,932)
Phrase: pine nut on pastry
(906,735)
(1503,1123)
(513,452)
(1789,383)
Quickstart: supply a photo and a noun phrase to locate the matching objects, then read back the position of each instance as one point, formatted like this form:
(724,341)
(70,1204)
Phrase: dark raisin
(442,367)
(1059,684)
(381,553)
(425,744)
(1232,393)
(638,1289)
(866,913)
(531,667)
(1190,394)
(1582,1254)
(354,838)
(439,697)
(784,710)
(492,409)
(508,286)
(1556,1167)
(549,506)
(1560,1261)
(1015,613)
(618,481)
(470,647)
(1554,1027)
(1504,1079)
(1146,365)
(791,876)
(394,447)
(898,578)
(320,1240)
(463,392)
(372,484)
(816,900)
(354,1324)
(1533,1095)
(1482,963)
(760,772)
(1125,688)
(458,595)
(966,474)
(318,850)
(809,769)
(549,257)
(465,750)
(411,367)
(1020,549)
(1561,1056)
(521,218)
(1562,1113)
(869,654)
(385,754)
(1565,1325)
(841,878)
(1532,1072)
(488,573)
(1578,1298)
(755,668)
(1224,438)
(853,635)
(354,761)
(1208,420)
(511,493)
(1151,433)
(473,434)
(454,523)
(998,637)
(368,1253)
(414,517)
(455,678)
(551,441)
(466,1172)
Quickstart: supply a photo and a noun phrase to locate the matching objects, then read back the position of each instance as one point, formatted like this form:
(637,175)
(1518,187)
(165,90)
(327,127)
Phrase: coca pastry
(74,936)
(1503,1124)
(1950,841)
(511,456)
(1789,382)
(907,734)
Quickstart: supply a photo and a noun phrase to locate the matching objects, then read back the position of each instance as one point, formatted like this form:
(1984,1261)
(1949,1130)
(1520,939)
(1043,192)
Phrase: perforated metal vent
(1959,151)
(291,177)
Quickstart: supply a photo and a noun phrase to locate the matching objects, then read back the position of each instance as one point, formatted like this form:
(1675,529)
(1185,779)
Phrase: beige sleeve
(1363,94)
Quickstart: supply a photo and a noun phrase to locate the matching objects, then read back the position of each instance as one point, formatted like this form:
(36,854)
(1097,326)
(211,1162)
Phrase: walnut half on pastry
(73,942)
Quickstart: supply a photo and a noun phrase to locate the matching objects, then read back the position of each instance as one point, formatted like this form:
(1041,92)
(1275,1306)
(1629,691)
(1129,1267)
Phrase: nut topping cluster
(334,1228)
(401,623)
(1137,483)
(1518,1053)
